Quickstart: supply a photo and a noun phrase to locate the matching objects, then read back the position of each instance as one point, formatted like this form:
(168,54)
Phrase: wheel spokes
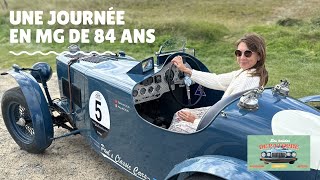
(23,121)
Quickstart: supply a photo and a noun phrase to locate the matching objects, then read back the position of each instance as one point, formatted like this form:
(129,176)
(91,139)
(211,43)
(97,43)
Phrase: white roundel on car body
(296,122)
(98,109)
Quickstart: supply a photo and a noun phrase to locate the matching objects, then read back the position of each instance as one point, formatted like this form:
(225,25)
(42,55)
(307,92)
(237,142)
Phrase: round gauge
(157,79)
(148,81)
(150,89)
(134,93)
(143,91)
(158,88)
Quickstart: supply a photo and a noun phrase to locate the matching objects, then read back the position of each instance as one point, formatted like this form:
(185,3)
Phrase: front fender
(220,166)
(38,107)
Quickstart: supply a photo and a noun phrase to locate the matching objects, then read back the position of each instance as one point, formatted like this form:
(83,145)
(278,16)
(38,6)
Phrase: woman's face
(244,59)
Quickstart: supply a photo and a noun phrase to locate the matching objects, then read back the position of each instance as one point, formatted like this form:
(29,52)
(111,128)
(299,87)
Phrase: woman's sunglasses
(246,53)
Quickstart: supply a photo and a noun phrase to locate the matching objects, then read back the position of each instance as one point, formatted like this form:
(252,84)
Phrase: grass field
(291,29)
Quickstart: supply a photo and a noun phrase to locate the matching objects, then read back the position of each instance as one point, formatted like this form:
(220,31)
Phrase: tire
(291,162)
(202,176)
(18,121)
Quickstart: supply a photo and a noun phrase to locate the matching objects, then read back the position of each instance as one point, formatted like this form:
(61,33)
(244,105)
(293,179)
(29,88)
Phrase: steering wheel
(169,81)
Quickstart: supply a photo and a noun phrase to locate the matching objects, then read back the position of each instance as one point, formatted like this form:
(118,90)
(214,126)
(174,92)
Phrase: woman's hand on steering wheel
(178,62)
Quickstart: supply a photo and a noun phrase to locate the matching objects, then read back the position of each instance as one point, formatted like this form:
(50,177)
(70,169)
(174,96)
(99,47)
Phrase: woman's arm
(212,80)
(209,80)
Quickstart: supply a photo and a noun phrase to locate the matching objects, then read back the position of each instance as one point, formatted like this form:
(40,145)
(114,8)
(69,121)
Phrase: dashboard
(156,85)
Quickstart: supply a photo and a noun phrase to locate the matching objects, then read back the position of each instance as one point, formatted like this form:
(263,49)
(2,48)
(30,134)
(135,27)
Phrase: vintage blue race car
(279,155)
(123,107)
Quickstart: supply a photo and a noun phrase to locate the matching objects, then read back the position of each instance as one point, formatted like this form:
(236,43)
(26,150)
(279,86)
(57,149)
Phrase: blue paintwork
(147,151)
(38,107)
(221,166)
(143,145)
(315,98)
(135,143)
(44,72)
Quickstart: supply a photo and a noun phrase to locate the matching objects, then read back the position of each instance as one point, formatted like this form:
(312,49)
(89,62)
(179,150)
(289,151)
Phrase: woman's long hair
(256,43)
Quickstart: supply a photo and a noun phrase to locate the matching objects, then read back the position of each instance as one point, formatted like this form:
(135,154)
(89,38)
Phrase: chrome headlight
(294,154)
(268,154)
(288,154)
(263,154)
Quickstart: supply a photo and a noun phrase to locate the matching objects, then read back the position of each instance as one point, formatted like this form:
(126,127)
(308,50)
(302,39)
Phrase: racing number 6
(98,105)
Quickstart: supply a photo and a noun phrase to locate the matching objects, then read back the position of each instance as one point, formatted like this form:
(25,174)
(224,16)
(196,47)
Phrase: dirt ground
(66,158)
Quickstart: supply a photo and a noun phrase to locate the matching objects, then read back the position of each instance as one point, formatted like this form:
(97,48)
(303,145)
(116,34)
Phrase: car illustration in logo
(279,155)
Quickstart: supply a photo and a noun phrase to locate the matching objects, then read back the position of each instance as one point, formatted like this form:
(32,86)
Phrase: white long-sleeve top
(230,83)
